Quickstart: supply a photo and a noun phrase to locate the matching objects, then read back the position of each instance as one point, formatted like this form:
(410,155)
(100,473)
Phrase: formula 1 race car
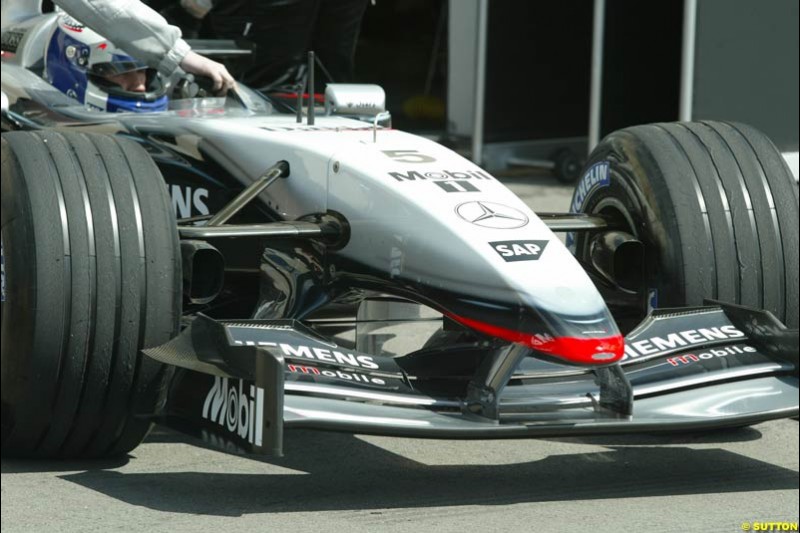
(231,268)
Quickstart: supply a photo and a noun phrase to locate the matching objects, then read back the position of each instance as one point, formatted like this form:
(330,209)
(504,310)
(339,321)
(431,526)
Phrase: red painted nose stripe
(584,351)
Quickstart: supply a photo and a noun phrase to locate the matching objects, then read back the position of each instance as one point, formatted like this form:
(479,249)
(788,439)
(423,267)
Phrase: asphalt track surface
(344,483)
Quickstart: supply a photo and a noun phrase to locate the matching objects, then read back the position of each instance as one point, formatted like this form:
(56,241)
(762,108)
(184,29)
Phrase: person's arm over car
(146,35)
(134,27)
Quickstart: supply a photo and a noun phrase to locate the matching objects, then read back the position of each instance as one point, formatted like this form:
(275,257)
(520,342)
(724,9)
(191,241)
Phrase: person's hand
(199,65)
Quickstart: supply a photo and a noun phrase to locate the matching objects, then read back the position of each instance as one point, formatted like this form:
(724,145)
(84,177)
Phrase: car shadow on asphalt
(336,472)
(31,466)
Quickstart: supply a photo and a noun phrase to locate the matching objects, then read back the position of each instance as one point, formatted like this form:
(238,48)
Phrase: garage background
(551,74)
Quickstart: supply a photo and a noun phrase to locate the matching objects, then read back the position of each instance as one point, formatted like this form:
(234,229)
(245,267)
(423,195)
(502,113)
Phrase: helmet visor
(113,68)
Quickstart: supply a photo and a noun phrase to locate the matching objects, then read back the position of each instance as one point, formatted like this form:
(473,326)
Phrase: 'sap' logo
(512,251)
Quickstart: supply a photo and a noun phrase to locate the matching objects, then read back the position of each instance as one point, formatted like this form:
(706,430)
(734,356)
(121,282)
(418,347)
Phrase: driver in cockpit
(84,65)
(94,70)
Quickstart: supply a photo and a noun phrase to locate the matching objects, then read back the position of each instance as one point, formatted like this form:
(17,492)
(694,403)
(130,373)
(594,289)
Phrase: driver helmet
(83,65)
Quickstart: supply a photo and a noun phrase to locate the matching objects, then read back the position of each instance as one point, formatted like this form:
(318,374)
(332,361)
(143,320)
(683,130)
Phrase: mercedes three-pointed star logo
(491,215)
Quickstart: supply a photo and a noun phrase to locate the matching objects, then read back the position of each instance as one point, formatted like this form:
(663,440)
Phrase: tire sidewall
(641,206)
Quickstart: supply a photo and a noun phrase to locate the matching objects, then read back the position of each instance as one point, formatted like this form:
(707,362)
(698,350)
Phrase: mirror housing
(354,99)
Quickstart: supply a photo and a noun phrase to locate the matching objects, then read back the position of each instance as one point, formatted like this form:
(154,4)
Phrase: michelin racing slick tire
(91,275)
(715,205)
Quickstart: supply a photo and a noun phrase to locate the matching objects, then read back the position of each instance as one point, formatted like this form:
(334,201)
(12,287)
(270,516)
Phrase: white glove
(199,65)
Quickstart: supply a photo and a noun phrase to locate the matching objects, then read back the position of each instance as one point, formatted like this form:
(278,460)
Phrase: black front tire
(91,275)
(715,205)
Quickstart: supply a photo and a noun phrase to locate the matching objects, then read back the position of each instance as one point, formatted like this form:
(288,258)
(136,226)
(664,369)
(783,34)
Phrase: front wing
(239,384)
